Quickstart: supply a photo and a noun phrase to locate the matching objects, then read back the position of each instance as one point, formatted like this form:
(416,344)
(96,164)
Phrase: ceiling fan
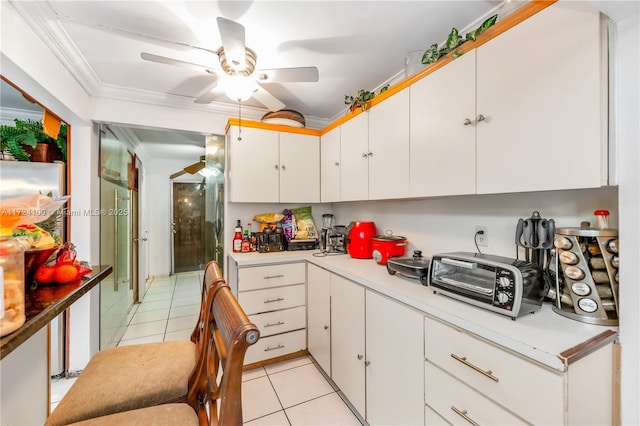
(240,80)
(191,169)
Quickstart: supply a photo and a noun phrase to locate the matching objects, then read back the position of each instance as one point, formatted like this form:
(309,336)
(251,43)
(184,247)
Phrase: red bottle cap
(601,212)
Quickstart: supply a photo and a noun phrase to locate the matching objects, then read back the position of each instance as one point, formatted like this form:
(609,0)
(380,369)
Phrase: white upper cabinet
(253,165)
(442,130)
(299,168)
(388,151)
(542,93)
(354,149)
(272,166)
(330,166)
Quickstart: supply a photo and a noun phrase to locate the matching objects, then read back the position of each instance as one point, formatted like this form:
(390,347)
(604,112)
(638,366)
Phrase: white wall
(627,130)
(448,224)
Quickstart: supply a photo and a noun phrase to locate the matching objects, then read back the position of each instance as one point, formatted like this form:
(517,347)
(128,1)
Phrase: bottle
(245,246)
(11,283)
(237,239)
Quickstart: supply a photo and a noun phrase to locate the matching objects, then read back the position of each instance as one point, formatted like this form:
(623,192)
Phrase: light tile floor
(291,392)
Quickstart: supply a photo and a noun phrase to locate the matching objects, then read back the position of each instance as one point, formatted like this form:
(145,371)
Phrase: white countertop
(541,336)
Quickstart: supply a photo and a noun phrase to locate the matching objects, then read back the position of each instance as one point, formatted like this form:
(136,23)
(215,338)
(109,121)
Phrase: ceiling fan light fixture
(238,87)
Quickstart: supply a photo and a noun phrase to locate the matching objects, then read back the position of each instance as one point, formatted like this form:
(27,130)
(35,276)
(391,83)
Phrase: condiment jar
(12,314)
(602,219)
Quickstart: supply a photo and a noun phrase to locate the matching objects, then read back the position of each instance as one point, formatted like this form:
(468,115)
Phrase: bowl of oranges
(59,269)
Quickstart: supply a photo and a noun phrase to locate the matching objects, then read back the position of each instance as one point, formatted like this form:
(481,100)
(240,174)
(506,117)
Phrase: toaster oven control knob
(504,282)
(503,297)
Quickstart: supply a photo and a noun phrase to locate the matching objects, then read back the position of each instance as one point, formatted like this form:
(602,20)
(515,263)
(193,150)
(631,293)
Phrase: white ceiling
(354,44)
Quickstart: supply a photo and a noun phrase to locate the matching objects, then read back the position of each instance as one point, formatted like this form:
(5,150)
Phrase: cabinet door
(330,166)
(253,165)
(389,148)
(443,142)
(354,146)
(319,316)
(347,340)
(395,362)
(541,89)
(299,168)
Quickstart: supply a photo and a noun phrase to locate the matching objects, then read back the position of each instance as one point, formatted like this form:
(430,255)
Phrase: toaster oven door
(466,278)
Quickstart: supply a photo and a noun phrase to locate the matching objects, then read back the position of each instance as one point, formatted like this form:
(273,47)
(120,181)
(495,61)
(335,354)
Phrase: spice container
(602,219)
(12,313)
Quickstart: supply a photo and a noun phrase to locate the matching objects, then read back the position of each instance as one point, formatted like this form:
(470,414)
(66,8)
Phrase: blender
(326,232)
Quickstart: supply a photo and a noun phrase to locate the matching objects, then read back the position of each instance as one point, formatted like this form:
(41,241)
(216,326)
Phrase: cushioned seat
(215,385)
(131,377)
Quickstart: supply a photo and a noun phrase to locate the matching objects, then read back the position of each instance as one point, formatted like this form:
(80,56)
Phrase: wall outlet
(482,239)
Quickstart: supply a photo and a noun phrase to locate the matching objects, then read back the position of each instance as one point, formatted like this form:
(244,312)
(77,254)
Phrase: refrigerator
(19,178)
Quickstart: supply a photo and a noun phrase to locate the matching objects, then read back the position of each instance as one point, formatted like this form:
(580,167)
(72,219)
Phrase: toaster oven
(500,284)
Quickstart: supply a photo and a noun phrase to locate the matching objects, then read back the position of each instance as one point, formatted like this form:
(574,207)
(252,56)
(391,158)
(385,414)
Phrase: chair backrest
(212,278)
(215,386)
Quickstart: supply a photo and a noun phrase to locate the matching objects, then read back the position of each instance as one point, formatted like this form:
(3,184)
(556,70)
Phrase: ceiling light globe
(239,87)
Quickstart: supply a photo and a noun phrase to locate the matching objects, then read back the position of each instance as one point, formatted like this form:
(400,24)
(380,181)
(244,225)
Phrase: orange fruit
(65,274)
(44,274)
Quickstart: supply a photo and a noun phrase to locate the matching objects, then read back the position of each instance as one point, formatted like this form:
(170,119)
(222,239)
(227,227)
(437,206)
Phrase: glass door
(188,225)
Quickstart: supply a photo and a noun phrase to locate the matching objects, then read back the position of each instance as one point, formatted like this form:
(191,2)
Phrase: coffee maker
(332,237)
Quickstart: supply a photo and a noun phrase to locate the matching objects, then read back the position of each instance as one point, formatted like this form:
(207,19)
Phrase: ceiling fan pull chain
(239,120)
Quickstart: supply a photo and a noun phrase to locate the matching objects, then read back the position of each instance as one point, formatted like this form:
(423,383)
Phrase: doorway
(188,207)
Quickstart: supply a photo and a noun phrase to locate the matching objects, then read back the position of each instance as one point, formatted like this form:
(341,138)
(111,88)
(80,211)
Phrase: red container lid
(601,212)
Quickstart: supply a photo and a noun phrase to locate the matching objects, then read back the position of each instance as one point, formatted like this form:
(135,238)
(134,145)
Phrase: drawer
(510,380)
(280,321)
(453,400)
(273,346)
(272,299)
(271,276)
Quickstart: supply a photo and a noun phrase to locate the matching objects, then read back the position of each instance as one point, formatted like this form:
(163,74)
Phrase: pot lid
(388,238)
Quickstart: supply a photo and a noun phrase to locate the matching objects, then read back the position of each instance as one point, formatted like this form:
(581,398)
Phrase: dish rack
(587,287)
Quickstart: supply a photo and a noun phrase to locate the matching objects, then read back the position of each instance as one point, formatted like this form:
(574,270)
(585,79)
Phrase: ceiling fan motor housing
(236,69)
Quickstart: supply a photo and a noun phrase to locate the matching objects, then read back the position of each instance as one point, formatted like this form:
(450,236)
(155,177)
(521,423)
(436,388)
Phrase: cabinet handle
(360,356)
(364,155)
(277,167)
(466,122)
(268,277)
(273,348)
(336,163)
(283,167)
(366,363)
(463,359)
(463,414)
(369,154)
(480,117)
(279,299)
(273,324)
(326,327)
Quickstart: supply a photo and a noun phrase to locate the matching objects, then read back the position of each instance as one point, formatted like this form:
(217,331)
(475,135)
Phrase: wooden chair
(214,396)
(130,377)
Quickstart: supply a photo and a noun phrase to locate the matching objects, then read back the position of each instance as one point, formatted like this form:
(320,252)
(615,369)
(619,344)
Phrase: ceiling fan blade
(194,168)
(207,97)
(232,36)
(286,75)
(176,62)
(177,174)
(267,99)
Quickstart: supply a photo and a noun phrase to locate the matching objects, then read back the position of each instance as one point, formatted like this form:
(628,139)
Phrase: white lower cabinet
(376,354)
(274,298)
(319,316)
(469,380)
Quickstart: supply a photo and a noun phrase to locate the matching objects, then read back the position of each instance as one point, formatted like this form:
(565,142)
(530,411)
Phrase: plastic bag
(305,226)
(289,224)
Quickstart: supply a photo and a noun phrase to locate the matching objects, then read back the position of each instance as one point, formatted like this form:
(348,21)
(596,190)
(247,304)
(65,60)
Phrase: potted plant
(27,141)
(362,99)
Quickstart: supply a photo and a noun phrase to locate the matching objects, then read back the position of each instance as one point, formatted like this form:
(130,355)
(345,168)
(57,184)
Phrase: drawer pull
(279,299)
(463,414)
(273,324)
(463,360)
(273,348)
(268,277)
